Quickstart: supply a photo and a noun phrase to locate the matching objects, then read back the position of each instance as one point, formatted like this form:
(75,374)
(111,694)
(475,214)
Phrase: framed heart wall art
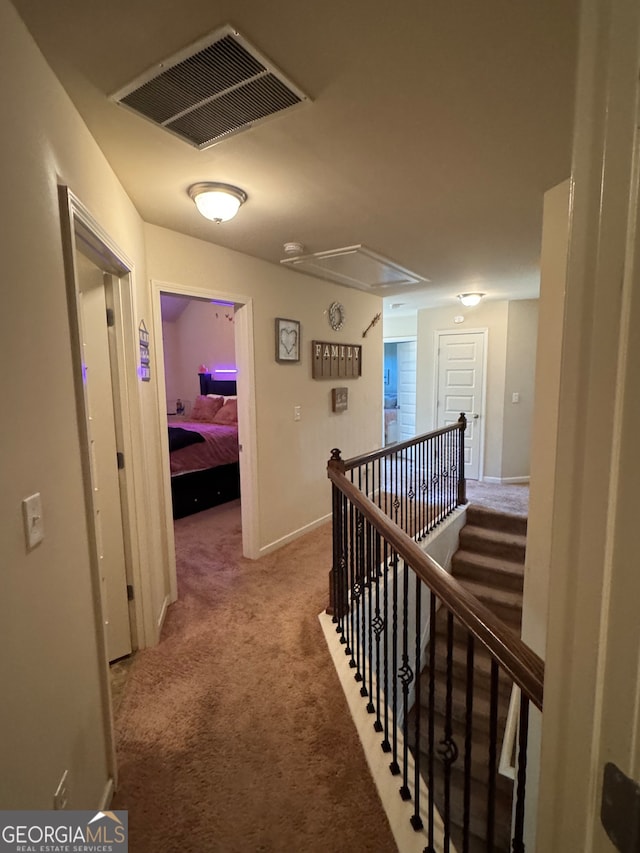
(287,340)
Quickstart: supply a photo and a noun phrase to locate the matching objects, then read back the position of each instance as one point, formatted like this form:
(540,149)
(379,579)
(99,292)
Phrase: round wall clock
(336,316)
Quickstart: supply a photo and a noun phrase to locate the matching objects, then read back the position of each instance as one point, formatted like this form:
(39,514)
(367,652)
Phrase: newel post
(336,463)
(462,482)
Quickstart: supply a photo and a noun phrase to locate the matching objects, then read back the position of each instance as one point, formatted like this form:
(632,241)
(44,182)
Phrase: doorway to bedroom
(199,348)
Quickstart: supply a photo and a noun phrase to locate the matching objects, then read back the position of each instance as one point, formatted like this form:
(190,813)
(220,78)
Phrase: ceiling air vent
(354,266)
(211,90)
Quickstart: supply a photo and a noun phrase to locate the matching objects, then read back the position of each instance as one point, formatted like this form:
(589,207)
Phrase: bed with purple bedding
(204,456)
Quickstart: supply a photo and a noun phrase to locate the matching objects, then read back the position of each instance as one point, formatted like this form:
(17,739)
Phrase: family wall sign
(335,361)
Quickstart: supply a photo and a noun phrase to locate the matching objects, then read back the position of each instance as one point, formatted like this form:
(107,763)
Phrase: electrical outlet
(297,413)
(515,397)
(61,796)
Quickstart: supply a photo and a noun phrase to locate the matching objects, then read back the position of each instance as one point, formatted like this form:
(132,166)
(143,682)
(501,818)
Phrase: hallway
(233,734)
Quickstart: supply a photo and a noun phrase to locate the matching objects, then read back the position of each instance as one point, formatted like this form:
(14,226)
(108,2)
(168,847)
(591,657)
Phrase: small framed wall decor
(287,340)
(339,399)
(143,337)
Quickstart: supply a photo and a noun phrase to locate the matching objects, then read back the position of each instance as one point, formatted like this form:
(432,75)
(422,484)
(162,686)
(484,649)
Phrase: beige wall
(520,370)
(171,353)
(553,265)
(293,490)
(511,328)
(202,334)
(400,327)
(51,712)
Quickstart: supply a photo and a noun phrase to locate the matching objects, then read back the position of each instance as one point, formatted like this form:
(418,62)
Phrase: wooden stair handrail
(524,666)
(355,461)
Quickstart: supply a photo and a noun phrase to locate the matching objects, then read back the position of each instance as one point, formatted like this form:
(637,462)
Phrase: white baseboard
(107,795)
(505,481)
(398,811)
(295,534)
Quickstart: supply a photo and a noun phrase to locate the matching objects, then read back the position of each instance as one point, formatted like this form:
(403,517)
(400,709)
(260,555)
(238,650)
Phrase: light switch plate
(33,524)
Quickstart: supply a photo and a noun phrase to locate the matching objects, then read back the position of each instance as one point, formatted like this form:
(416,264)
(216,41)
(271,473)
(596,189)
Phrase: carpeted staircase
(490,564)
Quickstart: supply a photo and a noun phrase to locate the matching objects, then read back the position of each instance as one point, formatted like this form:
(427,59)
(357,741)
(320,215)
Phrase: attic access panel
(354,266)
(211,90)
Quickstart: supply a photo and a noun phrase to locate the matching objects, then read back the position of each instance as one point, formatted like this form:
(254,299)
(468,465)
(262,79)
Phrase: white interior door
(104,469)
(406,390)
(460,388)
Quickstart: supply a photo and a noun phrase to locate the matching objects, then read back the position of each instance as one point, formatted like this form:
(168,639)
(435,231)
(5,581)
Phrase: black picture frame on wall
(287,341)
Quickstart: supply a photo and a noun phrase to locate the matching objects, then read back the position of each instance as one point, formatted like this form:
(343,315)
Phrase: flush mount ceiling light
(469,300)
(218,202)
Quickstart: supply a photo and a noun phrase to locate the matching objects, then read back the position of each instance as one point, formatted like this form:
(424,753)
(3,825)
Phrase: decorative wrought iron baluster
(357,593)
(449,749)
(378,625)
(344,567)
(365,616)
(492,758)
(521,782)
(468,743)
(416,820)
(431,722)
(351,558)
(386,746)
(336,533)
(462,483)
(394,766)
(405,674)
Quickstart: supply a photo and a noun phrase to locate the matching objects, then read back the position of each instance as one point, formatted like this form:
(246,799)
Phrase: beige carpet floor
(512,498)
(233,733)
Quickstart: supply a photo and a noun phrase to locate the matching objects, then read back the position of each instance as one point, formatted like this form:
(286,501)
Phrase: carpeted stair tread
(481,666)
(492,570)
(481,707)
(504,597)
(508,522)
(495,542)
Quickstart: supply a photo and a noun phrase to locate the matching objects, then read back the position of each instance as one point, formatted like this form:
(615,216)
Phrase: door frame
(484,331)
(591,664)
(247,425)
(78,226)
(399,339)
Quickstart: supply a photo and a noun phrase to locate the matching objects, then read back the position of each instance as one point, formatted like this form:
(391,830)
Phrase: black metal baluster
(405,674)
(523,736)
(371,580)
(341,601)
(351,558)
(378,625)
(386,746)
(449,750)
(440,478)
(423,486)
(431,726)
(364,594)
(492,762)
(462,482)
(336,533)
(468,743)
(394,766)
(416,820)
(357,594)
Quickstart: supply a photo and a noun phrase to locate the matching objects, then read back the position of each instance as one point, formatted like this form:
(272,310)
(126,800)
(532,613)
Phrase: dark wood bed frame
(200,490)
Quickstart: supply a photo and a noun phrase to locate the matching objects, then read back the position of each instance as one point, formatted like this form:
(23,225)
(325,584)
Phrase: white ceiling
(433,129)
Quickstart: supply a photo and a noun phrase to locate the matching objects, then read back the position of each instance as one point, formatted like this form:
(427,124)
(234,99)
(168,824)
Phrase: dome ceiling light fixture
(470,300)
(218,202)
